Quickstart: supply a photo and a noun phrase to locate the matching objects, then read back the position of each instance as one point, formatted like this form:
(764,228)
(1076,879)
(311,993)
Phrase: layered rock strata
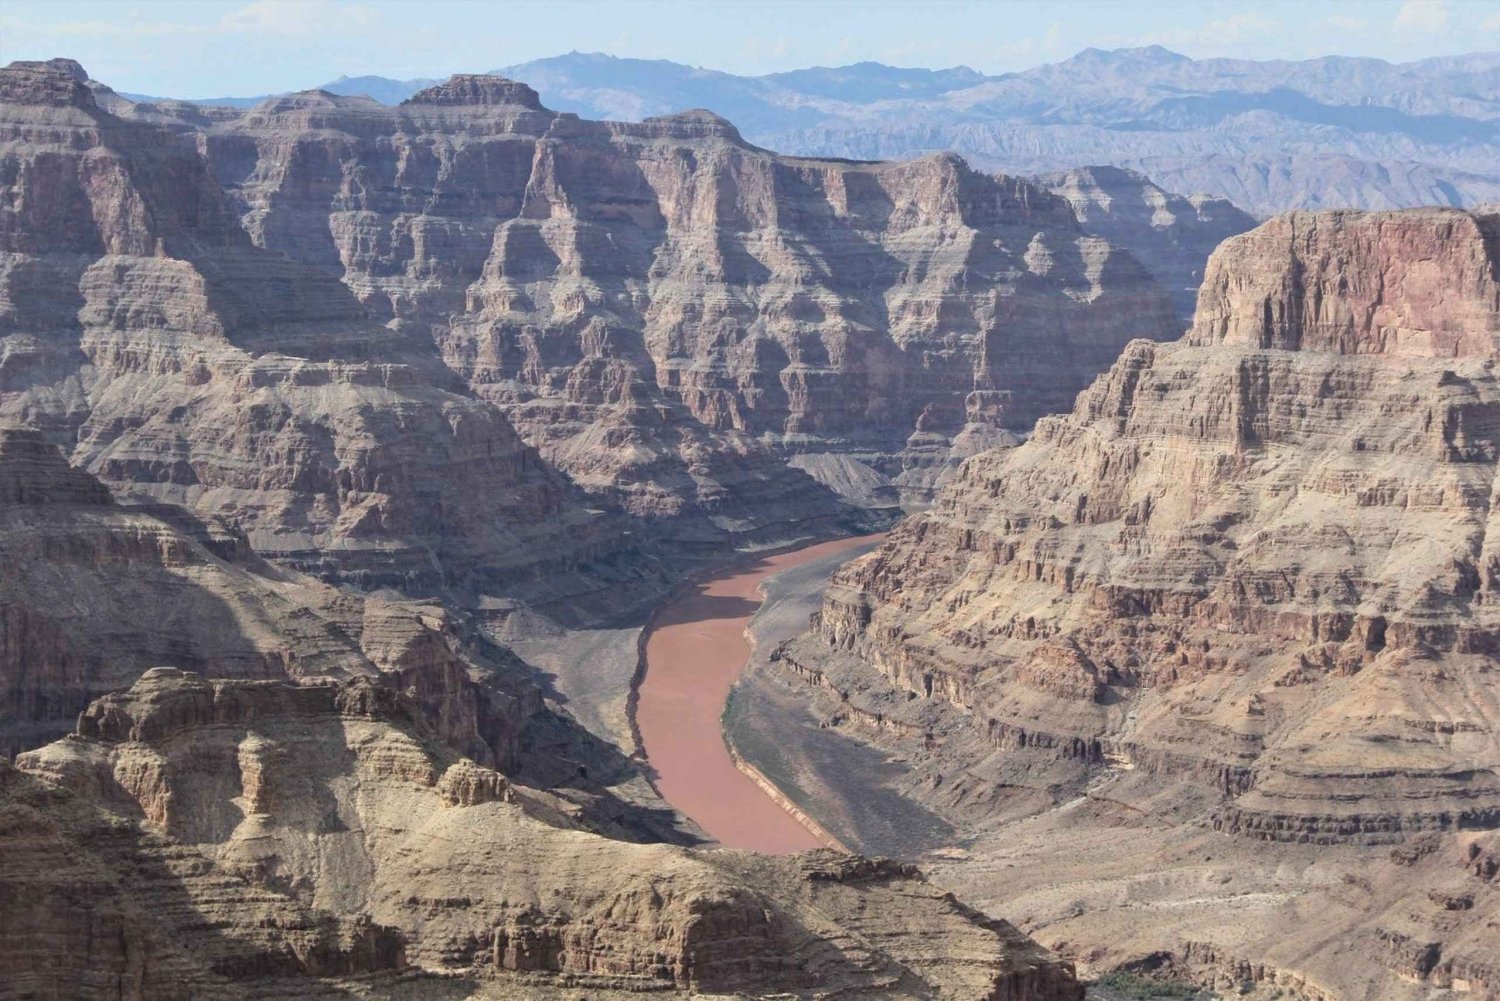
(145,332)
(364,788)
(1248,580)
(97,591)
(234,838)
(1171,235)
(654,303)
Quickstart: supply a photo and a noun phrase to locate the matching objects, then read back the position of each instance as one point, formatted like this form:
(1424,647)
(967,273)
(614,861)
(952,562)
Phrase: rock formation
(664,312)
(146,333)
(653,304)
(258,839)
(97,591)
(361,789)
(1171,235)
(1247,583)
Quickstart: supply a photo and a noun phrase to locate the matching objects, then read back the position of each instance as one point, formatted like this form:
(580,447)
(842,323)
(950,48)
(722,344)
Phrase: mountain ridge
(1328,132)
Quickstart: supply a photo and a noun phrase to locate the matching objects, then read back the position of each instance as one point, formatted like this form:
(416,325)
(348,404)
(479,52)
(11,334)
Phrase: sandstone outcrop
(240,838)
(1248,582)
(1171,235)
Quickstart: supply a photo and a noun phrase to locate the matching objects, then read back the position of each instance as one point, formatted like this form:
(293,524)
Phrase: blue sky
(204,48)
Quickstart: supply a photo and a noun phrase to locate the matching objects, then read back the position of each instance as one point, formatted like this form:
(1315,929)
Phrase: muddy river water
(696,649)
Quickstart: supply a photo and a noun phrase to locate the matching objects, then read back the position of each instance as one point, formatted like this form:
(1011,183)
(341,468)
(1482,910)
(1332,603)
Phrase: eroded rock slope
(359,793)
(654,304)
(1247,586)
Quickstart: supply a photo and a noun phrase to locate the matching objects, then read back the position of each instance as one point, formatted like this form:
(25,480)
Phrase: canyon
(276,526)
(392,496)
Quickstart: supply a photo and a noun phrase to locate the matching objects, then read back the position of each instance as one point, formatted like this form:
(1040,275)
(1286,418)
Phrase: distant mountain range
(1318,133)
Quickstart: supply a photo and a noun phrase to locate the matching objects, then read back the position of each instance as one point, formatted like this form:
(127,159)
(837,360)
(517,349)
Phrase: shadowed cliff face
(654,303)
(97,591)
(1170,234)
(1252,570)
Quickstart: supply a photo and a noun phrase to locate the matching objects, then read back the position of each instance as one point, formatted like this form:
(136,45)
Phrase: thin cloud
(1427,16)
(284,18)
(1343,22)
(1235,29)
(298,17)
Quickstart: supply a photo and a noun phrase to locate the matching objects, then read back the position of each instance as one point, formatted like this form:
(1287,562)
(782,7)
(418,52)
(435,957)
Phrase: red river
(696,649)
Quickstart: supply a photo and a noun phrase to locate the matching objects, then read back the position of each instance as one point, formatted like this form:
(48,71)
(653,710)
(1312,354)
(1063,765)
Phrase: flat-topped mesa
(1423,283)
(698,123)
(57,83)
(477,89)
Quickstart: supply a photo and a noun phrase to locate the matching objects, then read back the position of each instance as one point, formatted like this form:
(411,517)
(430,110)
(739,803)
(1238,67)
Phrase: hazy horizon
(229,49)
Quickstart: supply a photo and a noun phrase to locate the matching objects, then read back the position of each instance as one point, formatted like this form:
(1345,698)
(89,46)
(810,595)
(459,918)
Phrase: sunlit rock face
(1257,557)
(653,304)
(1247,587)
(144,331)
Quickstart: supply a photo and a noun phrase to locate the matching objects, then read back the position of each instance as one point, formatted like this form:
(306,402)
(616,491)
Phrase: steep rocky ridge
(655,304)
(218,838)
(1246,586)
(1171,235)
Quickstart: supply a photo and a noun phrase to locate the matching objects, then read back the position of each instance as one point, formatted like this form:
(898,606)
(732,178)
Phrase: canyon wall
(1171,235)
(654,304)
(1247,585)
(421,346)
(358,791)
(146,333)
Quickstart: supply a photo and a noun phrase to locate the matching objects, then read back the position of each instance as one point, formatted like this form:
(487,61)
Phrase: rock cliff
(1248,583)
(655,304)
(1171,235)
(97,591)
(142,329)
(257,839)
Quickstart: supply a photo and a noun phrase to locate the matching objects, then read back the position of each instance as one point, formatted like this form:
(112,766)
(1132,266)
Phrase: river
(695,651)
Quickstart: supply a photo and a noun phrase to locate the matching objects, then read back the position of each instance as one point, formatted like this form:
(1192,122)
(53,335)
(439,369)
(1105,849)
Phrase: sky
(228,48)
